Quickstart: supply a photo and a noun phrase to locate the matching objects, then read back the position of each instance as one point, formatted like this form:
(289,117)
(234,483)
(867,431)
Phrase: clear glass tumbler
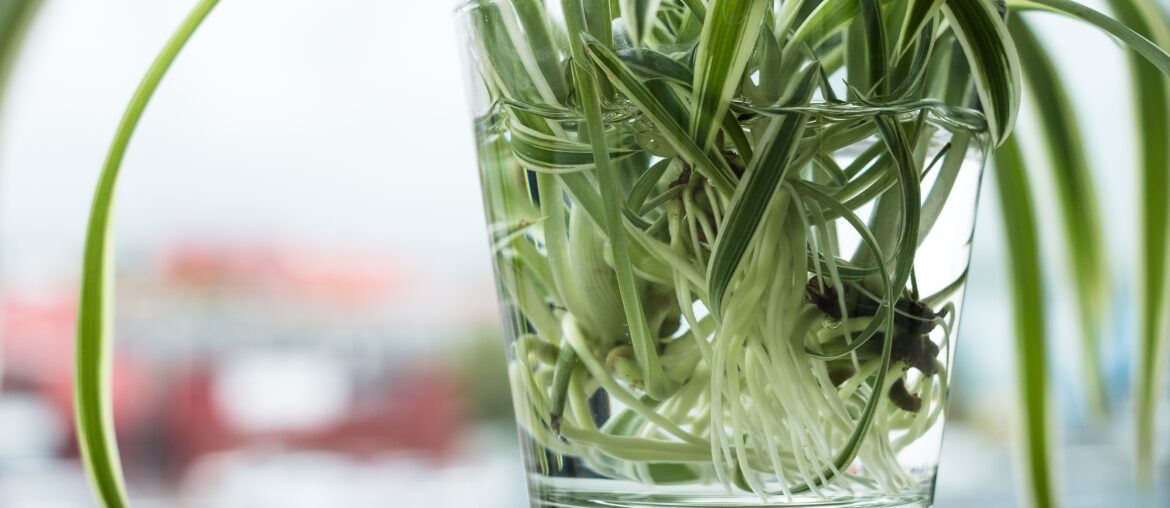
(731,241)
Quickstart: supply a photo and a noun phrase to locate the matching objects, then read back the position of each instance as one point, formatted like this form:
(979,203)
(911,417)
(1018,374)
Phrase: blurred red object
(165,407)
(423,411)
(347,276)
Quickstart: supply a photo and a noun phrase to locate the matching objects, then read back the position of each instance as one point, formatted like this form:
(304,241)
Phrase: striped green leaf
(765,172)
(641,337)
(913,74)
(829,18)
(545,153)
(876,61)
(510,64)
(918,14)
(894,136)
(994,63)
(534,25)
(709,164)
(639,16)
(725,46)
(649,64)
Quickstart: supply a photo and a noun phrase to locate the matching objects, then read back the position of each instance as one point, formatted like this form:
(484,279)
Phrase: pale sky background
(339,121)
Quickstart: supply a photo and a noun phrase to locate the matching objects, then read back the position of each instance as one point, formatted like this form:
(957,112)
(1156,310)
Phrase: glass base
(581,493)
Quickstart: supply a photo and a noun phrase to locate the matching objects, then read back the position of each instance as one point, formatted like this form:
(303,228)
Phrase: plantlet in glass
(731,241)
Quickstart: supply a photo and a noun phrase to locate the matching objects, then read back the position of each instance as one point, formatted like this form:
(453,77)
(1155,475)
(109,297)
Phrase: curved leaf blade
(918,14)
(622,78)
(92,398)
(1019,220)
(725,46)
(1133,40)
(995,64)
(765,172)
(1152,107)
(639,16)
(544,153)
(1075,196)
(830,17)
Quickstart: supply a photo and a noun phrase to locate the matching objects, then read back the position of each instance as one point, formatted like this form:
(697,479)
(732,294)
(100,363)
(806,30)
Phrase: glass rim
(465,6)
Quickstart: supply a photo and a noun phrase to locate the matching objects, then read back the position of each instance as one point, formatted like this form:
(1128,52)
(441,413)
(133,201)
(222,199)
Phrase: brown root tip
(903,398)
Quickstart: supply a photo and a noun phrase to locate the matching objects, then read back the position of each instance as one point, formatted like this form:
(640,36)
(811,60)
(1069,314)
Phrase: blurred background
(306,314)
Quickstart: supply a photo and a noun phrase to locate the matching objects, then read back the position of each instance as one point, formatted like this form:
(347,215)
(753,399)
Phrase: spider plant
(711,213)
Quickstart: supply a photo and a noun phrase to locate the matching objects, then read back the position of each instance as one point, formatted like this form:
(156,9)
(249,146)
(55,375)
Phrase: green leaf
(772,82)
(545,153)
(598,20)
(15,17)
(509,63)
(1075,196)
(641,338)
(707,163)
(751,198)
(645,184)
(534,25)
(913,75)
(725,46)
(1133,40)
(1155,209)
(871,18)
(1152,107)
(898,143)
(830,17)
(92,398)
(1023,243)
(857,75)
(639,16)
(697,7)
(918,14)
(650,64)
(996,67)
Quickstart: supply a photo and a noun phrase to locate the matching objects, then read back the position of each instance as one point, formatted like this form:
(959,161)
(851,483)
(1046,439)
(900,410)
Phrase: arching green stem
(92,397)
